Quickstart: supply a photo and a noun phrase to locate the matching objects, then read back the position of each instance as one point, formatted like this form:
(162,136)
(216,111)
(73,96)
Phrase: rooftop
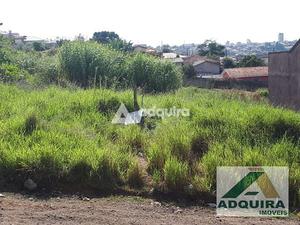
(246,72)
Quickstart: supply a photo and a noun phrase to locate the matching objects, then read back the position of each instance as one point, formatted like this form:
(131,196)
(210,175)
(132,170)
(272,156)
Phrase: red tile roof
(237,73)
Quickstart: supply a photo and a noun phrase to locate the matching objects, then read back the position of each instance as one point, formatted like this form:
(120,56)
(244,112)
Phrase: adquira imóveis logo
(252,191)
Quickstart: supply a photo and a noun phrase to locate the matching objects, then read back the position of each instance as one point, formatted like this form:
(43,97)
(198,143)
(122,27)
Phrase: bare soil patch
(20,209)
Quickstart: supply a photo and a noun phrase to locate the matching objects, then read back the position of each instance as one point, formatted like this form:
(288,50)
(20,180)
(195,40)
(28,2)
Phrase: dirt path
(18,209)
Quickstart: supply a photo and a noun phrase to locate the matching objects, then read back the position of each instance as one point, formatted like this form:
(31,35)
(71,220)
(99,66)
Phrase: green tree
(228,63)
(38,46)
(251,61)
(105,37)
(60,42)
(121,45)
(5,49)
(211,49)
(87,62)
(152,75)
(166,49)
(140,69)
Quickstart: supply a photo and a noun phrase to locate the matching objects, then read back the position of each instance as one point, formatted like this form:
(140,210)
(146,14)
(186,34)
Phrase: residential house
(206,67)
(284,77)
(145,49)
(246,73)
(16,37)
(190,60)
(203,66)
(173,57)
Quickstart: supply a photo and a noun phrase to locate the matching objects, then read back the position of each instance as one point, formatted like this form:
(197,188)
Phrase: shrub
(47,69)
(90,64)
(263,92)
(166,77)
(6,52)
(11,73)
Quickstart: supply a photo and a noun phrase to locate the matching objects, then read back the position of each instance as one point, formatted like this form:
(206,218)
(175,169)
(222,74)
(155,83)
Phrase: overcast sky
(155,21)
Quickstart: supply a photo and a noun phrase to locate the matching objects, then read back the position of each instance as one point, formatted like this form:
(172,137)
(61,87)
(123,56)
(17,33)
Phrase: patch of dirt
(19,209)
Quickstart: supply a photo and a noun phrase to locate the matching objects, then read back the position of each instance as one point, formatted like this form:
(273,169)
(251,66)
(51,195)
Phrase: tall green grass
(65,136)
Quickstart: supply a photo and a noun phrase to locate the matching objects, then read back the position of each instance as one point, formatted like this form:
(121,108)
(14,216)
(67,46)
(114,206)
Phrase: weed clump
(157,158)
(30,125)
(108,106)
(199,147)
(175,175)
(135,176)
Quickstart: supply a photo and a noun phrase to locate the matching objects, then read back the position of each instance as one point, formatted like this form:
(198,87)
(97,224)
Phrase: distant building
(246,73)
(177,61)
(284,77)
(140,48)
(145,49)
(14,36)
(281,37)
(203,66)
(190,60)
(170,55)
(173,57)
(206,67)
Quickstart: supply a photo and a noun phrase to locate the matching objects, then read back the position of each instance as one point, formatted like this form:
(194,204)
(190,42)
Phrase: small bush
(11,73)
(263,93)
(89,64)
(30,125)
(175,175)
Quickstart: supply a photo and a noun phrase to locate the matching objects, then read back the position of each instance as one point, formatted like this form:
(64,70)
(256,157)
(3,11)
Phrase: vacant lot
(65,137)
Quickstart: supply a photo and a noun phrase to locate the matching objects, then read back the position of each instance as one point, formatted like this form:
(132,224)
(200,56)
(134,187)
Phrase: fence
(249,85)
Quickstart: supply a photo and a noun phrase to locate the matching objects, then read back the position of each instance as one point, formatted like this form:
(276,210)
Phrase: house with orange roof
(246,73)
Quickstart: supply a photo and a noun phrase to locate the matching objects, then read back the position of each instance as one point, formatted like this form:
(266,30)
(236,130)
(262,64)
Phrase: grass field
(65,136)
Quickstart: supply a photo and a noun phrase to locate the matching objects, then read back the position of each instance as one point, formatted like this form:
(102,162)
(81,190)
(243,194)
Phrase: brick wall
(284,78)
